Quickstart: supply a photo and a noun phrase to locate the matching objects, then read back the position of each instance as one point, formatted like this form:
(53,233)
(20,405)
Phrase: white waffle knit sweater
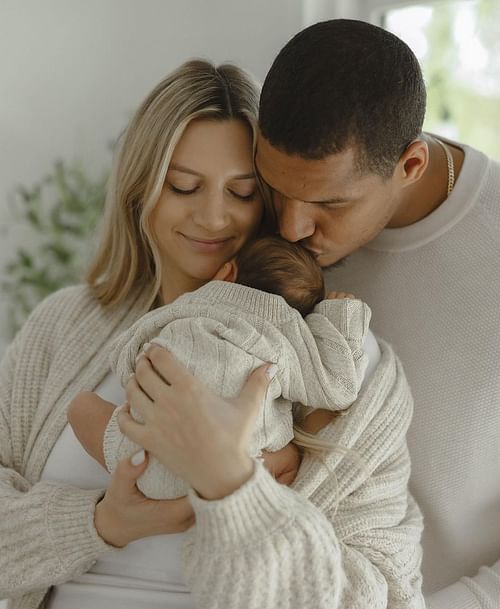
(330,542)
(222,332)
(434,291)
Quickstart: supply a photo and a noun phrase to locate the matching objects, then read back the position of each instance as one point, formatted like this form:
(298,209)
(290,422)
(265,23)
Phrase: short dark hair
(277,266)
(342,83)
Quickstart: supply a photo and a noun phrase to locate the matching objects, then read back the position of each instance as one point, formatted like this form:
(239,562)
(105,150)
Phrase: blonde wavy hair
(127,258)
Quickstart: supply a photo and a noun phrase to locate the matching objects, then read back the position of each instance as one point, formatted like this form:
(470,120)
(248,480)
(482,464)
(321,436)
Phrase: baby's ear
(227,272)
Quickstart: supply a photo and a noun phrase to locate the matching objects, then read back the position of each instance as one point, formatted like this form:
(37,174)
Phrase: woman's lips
(206,245)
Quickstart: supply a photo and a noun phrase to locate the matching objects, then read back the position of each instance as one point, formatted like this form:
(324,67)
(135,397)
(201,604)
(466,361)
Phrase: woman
(182,200)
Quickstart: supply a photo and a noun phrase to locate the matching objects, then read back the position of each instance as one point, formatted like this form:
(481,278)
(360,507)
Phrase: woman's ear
(227,272)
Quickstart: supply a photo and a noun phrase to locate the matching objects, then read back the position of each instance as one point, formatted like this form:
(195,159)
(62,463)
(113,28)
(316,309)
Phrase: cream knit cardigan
(222,332)
(344,541)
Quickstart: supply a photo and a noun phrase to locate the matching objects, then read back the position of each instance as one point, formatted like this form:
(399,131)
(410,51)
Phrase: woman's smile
(206,245)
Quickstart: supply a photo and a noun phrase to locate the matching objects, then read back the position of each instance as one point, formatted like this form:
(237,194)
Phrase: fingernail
(271,371)
(138,458)
(146,346)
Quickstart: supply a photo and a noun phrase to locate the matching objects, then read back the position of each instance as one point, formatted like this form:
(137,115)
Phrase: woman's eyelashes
(182,191)
(242,197)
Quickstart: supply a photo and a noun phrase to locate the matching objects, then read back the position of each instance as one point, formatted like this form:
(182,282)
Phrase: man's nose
(294,221)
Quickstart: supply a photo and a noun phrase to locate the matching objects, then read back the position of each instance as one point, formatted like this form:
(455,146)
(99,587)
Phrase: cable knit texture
(345,539)
(224,331)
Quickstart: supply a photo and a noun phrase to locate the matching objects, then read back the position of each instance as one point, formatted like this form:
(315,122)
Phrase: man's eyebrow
(328,201)
(181,168)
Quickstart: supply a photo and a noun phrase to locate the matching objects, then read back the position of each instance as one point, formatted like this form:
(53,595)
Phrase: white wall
(72,71)
(366,10)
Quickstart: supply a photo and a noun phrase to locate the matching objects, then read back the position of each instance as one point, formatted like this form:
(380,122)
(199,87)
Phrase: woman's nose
(212,213)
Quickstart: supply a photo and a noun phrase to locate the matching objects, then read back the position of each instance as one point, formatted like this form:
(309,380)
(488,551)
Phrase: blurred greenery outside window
(458,46)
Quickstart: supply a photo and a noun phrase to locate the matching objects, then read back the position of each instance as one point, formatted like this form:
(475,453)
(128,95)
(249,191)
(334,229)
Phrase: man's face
(326,204)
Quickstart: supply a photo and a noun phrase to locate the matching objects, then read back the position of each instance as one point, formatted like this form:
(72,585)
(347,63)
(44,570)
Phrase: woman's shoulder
(67,300)
(61,308)
(52,321)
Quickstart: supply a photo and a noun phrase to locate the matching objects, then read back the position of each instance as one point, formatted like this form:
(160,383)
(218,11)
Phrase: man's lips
(315,253)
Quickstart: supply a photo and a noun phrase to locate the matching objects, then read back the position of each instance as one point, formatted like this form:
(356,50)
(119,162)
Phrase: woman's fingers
(124,514)
(129,427)
(166,365)
(137,397)
(149,379)
(126,475)
(253,392)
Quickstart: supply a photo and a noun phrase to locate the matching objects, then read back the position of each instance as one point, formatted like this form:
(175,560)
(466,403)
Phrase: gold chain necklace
(451,167)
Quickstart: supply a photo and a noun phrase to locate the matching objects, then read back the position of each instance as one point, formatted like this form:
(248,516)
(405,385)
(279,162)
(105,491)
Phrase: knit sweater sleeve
(346,535)
(479,592)
(323,361)
(47,535)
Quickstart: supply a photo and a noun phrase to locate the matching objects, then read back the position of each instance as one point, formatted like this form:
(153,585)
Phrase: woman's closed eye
(183,191)
(243,196)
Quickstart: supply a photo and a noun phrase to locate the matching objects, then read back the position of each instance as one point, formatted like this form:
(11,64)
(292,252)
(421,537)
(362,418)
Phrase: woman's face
(209,206)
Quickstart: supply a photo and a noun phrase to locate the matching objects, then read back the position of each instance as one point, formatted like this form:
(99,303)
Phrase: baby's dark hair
(274,265)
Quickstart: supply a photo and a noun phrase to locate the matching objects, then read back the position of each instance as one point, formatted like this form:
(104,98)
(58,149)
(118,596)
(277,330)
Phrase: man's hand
(124,514)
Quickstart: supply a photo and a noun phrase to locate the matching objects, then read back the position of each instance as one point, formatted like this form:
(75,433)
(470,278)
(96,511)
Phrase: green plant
(56,223)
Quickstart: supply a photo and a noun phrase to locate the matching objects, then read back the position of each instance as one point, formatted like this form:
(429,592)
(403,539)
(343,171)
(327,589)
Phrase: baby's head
(274,265)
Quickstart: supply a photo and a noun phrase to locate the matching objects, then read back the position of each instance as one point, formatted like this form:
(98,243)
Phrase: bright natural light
(458,46)
(409,24)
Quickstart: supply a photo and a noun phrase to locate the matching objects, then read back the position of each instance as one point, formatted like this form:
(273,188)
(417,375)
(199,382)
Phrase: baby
(266,305)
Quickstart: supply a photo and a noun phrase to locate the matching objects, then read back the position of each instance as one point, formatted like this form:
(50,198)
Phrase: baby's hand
(339,295)
(283,464)
(318,419)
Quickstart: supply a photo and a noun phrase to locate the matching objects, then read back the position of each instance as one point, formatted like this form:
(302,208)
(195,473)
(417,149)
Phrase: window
(458,46)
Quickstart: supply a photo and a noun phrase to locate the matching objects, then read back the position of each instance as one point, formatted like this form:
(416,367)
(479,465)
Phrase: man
(416,221)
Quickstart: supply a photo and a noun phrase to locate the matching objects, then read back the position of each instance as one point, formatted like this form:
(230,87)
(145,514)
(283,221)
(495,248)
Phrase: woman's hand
(124,514)
(193,432)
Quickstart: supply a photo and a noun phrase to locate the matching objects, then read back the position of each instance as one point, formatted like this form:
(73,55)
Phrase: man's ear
(228,272)
(414,161)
